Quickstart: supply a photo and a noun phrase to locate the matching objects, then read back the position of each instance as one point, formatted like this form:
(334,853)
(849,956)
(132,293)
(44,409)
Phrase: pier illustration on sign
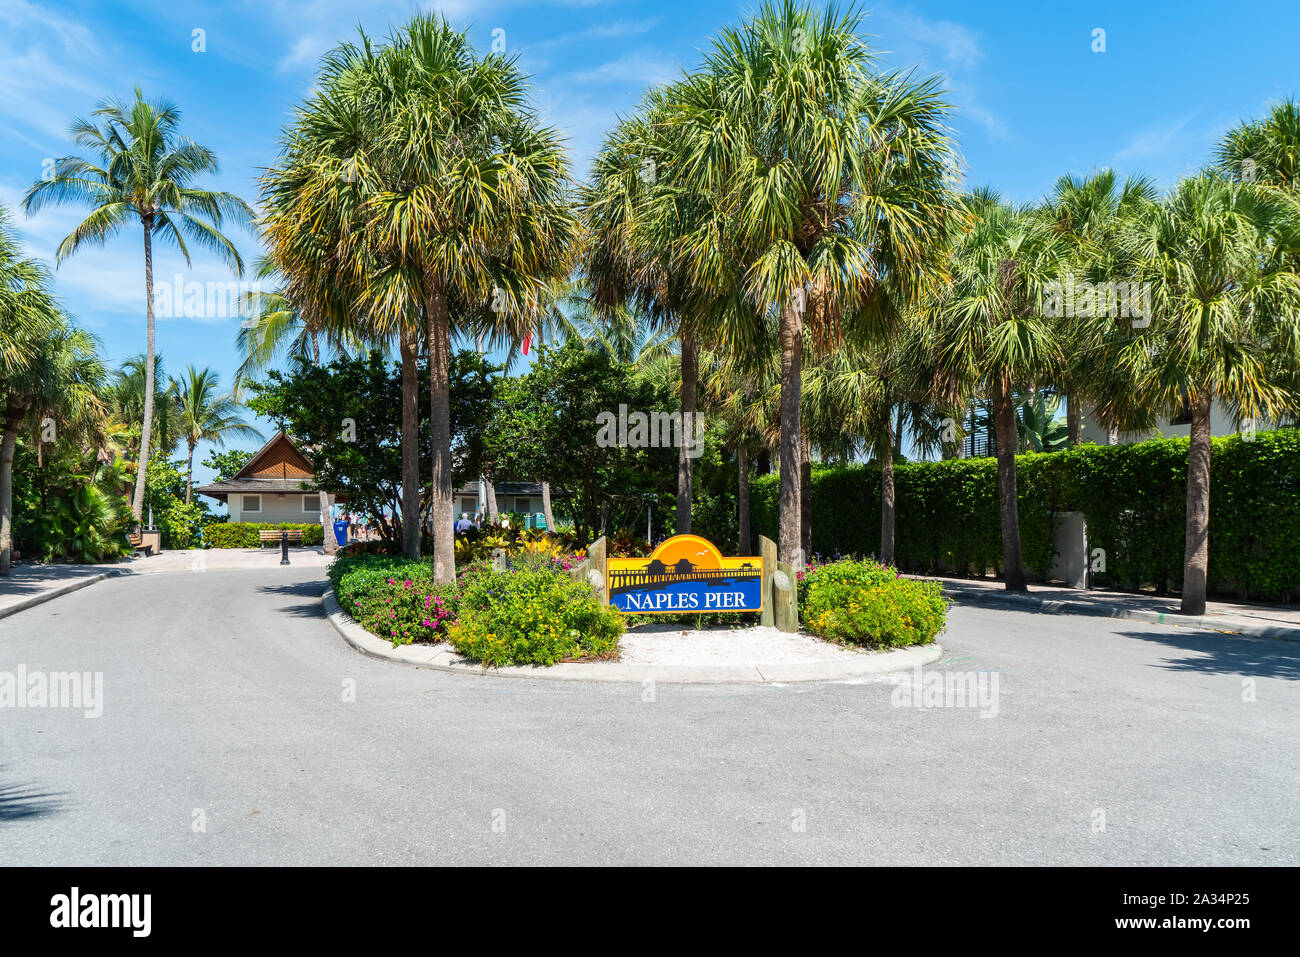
(685,573)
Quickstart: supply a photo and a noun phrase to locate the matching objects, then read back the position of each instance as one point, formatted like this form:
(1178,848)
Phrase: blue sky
(1031,100)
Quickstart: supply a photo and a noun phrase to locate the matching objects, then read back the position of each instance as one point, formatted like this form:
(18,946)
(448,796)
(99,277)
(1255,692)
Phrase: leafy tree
(546,427)
(226,464)
(144,171)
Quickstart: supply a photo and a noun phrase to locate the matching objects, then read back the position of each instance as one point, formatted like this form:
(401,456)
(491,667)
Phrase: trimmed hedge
(1133,497)
(244,534)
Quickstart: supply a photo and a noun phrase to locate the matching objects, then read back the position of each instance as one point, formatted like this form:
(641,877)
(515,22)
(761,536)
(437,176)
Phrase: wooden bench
(138,543)
(275,535)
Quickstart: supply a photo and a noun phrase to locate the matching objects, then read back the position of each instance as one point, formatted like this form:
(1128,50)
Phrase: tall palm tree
(206,416)
(144,171)
(1265,151)
(1225,324)
(988,332)
(443,198)
(815,181)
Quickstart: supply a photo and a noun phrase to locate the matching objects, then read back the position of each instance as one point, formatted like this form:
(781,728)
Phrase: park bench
(276,535)
(148,541)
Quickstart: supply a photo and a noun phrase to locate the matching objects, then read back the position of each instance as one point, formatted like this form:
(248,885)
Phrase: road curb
(438,659)
(56,592)
(1205,622)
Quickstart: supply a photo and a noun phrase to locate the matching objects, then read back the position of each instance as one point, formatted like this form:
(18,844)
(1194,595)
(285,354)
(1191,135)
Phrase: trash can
(341,533)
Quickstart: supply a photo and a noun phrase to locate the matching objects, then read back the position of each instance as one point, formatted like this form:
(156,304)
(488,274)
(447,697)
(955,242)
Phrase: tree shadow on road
(308,594)
(21,801)
(1218,654)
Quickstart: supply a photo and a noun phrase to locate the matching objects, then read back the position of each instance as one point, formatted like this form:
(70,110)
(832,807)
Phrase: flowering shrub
(394,598)
(532,615)
(865,602)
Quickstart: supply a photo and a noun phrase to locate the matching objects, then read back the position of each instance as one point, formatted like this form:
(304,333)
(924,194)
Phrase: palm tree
(126,396)
(814,181)
(144,170)
(1225,324)
(1089,213)
(1265,151)
(206,416)
(988,332)
(440,196)
(28,320)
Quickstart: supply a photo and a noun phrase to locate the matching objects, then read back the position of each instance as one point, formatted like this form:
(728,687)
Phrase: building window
(311,503)
(1183,417)
(252,503)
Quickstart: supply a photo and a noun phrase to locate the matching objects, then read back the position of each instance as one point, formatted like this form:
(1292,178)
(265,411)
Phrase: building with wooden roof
(270,487)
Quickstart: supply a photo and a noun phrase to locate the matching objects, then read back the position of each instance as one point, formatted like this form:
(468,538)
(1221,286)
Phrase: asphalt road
(225,739)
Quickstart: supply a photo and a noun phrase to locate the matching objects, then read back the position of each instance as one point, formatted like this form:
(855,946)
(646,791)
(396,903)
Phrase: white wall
(1221,423)
(276,508)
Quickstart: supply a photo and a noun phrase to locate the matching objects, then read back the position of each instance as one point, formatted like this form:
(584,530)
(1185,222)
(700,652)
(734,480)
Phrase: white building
(269,488)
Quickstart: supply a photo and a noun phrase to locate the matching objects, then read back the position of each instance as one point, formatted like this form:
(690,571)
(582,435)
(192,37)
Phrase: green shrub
(245,534)
(866,603)
(1132,496)
(532,615)
(394,598)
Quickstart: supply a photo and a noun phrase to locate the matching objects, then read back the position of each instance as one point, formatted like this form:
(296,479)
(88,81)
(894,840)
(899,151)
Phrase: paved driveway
(225,739)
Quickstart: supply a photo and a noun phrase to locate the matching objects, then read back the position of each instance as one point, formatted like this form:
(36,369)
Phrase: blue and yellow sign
(684,574)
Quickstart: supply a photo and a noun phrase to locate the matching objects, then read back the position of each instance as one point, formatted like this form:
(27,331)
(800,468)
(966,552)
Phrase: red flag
(528,341)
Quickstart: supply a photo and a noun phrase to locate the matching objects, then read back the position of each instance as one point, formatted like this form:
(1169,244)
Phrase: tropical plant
(988,332)
(805,182)
(1225,326)
(144,171)
(204,415)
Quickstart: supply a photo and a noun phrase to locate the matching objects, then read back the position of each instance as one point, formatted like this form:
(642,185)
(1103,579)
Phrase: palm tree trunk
(14,412)
(189,472)
(805,499)
(887,501)
(444,535)
(1004,412)
(742,498)
(409,348)
(329,543)
(1073,419)
(142,460)
(1196,555)
(690,379)
(493,512)
(546,506)
(791,441)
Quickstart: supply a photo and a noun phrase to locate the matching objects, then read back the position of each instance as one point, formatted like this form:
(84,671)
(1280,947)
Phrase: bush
(864,602)
(534,615)
(245,534)
(394,598)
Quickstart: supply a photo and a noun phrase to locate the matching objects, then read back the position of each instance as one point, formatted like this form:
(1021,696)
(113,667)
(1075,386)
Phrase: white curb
(441,658)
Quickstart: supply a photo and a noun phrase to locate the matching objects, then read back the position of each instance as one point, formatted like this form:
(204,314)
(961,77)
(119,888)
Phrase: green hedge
(1133,497)
(244,534)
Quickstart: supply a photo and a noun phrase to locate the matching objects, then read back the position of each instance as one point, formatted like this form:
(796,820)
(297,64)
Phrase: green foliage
(245,534)
(164,501)
(1132,496)
(532,616)
(226,464)
(364,462)
(866,603)
(545,427)
(84,515)
(394,598)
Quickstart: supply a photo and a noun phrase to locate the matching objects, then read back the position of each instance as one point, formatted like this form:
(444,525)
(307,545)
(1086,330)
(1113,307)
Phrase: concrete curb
(1205,622)
(56,592)
(440,659)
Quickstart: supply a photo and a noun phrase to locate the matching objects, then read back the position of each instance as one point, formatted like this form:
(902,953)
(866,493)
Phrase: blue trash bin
(341,533)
